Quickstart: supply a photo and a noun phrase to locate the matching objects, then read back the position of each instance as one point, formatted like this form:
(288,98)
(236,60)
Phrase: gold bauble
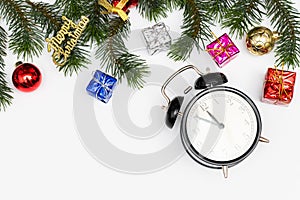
(261,40)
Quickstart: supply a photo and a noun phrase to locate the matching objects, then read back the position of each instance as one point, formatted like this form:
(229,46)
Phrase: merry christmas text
(61,53)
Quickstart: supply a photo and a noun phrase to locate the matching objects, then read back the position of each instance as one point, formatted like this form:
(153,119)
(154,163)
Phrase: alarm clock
(220,126)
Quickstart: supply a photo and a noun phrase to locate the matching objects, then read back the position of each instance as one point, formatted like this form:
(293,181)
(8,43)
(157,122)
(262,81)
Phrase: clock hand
(220,125)
(206,120)
(211,139)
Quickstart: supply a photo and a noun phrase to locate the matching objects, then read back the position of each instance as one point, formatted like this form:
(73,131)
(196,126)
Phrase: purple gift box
(222,50)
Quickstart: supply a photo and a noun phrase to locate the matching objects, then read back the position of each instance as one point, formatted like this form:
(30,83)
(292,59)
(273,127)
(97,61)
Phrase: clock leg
(265,140)
(225,171)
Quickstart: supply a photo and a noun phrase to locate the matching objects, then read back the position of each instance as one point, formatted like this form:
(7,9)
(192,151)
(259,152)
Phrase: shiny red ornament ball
(27,77)
(129,4)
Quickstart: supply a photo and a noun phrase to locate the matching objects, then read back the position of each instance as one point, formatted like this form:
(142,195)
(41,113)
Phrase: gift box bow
(222,45)
(116,9)
(280,84)
(105,84)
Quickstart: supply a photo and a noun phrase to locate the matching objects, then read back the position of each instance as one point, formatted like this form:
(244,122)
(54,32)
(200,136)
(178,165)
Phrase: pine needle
(5,91)
(26,39)
(114,56)
(196,30)
(242,16)
(285,19)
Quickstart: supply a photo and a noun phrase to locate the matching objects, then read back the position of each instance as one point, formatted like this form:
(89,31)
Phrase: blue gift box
(102,86)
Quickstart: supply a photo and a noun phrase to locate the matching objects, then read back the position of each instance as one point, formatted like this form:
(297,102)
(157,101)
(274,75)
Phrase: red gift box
(279,86)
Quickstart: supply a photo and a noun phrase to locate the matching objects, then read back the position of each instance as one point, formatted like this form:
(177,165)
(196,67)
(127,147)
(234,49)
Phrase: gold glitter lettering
(60,54)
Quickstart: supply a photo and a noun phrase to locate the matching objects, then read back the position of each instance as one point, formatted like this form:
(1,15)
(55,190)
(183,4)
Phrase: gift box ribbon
(117,9)
(278,82)
(103,86)
(222,49)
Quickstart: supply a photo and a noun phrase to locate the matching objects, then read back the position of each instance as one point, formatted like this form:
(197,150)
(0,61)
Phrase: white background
(41,156)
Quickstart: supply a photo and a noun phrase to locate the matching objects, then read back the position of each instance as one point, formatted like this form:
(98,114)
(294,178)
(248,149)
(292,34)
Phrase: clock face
(221,125)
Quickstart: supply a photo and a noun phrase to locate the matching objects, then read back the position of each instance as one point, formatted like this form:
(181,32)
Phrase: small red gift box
(279,86)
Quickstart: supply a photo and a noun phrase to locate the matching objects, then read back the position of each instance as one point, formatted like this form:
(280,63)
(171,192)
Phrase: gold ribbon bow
(117,9)
(279,78)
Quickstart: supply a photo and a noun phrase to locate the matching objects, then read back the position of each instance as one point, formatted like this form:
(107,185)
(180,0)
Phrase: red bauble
(129,4)
(27,77)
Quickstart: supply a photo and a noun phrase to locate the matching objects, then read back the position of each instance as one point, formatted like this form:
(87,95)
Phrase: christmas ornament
(212,122)
(119,7)
(157,38)
(222,50)
(129,4)
(26,77)
(66,39)
(101,86)
(261,40)
(279,86)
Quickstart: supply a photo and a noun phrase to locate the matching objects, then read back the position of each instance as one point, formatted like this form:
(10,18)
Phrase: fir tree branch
(196,30)
(285,19)
(176,3)
(95,31)
(26,39)
(73,9)
(153,9)
(182,48)
(47,16)
(78,59)
(115,56)
(5,91)
(116,26)
(242,16)
(218,8)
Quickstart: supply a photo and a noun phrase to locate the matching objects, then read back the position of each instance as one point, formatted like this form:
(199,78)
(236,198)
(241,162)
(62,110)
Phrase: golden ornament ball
(261,40)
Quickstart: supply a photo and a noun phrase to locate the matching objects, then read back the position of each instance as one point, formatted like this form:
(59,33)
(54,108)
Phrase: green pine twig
(73,9)
(153,9)
(218,8)
(5,91)
(196,30)
(95,32)
(26,40)
(78,60)
(47,16)
(286,20)
(117,60)
(243,15)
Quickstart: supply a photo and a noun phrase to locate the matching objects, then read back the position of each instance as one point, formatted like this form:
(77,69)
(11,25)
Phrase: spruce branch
(242,16)
(5,91)
(78,59)
(285,19)
(176,4)
(47,16)
(196,30)
(117,60)
(182,48)
(153,9)
(218,8)
(95,31)
(26,40)
(72,9)
(116,26)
